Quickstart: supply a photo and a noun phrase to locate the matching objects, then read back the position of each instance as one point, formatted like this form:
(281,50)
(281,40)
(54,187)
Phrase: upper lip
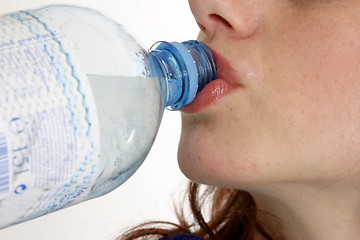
(225,69)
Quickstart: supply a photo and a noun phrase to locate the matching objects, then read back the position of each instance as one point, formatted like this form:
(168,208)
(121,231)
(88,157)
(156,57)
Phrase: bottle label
(49,136)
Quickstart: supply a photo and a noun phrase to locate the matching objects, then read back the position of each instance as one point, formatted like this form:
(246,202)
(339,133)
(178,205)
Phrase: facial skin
(290,134)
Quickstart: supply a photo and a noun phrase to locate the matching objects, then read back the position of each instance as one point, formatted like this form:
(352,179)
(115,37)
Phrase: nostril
(220,19)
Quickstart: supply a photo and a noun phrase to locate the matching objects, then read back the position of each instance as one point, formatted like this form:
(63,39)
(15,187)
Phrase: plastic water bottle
(80,105)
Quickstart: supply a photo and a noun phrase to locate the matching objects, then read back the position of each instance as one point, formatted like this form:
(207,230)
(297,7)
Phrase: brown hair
(233,215)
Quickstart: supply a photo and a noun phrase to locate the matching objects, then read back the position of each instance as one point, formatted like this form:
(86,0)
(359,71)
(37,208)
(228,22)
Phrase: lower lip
(212,92)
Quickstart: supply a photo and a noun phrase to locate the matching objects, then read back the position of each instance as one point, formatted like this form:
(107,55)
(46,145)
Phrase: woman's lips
(211,93)
(217,89)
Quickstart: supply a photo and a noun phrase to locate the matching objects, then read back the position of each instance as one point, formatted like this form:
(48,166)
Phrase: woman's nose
(240,18)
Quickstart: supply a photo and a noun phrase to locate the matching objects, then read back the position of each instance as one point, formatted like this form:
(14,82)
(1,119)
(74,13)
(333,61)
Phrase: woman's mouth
(217,89)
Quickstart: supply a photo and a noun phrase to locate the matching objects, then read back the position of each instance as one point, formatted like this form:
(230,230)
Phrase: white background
(149,194)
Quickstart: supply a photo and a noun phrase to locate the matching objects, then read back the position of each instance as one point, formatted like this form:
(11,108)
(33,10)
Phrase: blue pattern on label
(65,198)
(4,165)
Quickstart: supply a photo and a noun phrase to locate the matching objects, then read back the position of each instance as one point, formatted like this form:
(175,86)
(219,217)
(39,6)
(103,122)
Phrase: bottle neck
(186,68)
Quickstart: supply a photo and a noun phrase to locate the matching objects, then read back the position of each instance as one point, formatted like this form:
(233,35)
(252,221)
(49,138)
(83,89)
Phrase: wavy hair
(233,215)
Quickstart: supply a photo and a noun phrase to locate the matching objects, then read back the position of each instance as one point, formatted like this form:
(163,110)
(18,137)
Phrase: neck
(314,211)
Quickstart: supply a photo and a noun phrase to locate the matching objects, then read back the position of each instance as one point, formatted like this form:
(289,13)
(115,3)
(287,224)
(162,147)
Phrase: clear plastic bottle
(80,105)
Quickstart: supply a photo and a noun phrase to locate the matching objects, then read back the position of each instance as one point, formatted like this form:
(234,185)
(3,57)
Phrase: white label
(49,136)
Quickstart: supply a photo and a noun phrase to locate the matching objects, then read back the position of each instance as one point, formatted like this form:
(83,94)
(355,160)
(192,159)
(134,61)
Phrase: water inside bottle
(129,111)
